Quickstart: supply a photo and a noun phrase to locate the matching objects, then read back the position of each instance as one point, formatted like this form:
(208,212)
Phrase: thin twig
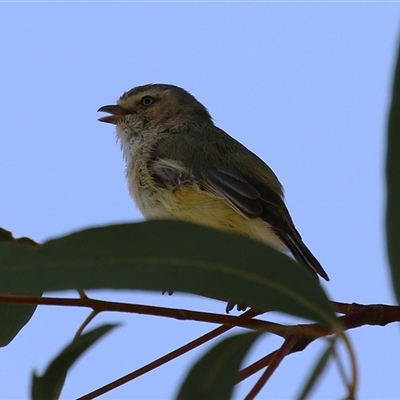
(255,367)
(180,314)
(164,359)
(352,383)
(82,294)
(86,322)
(273,365)
(369,314)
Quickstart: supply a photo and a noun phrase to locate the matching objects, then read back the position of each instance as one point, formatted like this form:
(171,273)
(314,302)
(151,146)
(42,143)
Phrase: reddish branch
(297,337)
(276,359)
(356,315)
(101,306)
(164,359)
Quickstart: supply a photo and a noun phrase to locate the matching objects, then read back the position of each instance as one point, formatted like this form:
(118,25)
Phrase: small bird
(180,165)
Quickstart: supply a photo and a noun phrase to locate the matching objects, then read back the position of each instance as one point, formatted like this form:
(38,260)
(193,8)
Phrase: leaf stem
(275,361)
(164,359)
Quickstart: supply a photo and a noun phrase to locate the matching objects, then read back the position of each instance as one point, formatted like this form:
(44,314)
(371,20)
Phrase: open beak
(116,112)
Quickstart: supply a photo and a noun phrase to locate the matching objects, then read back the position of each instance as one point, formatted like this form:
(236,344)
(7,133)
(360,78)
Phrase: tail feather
(303,255)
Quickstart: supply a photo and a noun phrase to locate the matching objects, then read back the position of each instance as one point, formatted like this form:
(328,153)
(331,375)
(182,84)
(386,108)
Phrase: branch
(279,355)
(297,337)
(164,359)
(180,314)
(356,315)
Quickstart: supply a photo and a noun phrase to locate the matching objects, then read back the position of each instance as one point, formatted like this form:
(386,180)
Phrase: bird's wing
(215,162)
(277,215)
(256,199)
(219,181)
(249,195)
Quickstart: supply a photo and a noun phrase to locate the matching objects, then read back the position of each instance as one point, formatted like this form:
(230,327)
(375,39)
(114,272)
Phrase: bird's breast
(138,153)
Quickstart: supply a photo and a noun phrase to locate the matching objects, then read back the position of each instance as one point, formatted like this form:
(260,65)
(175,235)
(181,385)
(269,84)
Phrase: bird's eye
(147,101)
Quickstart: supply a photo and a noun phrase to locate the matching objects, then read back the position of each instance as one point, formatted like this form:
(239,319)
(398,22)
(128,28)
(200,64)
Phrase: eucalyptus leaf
(5,236)
(393,183)
(215,374)
(49,386)
(316,372)
(168,256)
(13,317)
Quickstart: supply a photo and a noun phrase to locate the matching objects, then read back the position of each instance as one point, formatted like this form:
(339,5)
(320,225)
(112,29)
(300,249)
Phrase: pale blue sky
(304,85)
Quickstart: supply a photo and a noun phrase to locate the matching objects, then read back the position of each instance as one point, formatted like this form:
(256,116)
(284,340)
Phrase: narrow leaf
(393,183)
(13,317)
(316,372)
(168,256)
(5,236)
(215,374)
(49,386)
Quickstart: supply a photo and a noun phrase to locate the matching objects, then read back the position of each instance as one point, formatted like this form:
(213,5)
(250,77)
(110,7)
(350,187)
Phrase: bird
(180,165)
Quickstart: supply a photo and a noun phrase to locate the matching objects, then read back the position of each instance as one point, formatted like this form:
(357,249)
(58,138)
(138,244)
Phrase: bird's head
(154,108)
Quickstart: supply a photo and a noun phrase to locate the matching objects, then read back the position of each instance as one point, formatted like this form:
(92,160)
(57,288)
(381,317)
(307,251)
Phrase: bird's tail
(303,255)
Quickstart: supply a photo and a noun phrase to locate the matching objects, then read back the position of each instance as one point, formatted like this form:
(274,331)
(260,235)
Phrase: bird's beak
(116,112)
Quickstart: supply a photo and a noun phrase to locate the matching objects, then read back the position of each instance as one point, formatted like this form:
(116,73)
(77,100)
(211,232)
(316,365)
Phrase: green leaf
(164,256)
(49,386)
(317,371)
(13,317)
(5,236)
(215,374)
(393,183)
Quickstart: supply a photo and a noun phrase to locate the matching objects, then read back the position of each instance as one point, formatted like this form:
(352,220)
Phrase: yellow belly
(188,203)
